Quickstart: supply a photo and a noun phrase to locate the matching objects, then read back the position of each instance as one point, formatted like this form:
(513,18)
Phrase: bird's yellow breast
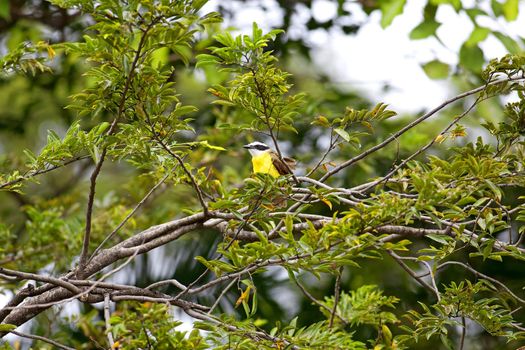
(263,163)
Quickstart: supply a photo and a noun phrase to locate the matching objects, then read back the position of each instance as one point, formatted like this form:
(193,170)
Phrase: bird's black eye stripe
(261,147)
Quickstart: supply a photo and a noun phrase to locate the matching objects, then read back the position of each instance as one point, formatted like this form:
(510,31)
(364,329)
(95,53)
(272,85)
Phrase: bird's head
(257,148)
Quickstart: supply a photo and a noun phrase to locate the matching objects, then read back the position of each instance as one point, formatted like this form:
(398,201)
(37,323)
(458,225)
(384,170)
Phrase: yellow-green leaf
(510,9)
(436,69)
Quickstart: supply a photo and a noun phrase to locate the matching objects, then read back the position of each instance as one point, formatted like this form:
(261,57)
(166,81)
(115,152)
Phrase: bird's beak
(246,146)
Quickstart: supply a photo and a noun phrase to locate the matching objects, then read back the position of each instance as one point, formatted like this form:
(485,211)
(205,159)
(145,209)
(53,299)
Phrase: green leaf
(477,35)
(288,220)
(160,57)
(184,53)
(204,59)
(495,189)
(496,7)
(207,145)
(446,341)
(510,9)
(471,57)
(223,103)
(495,257)
(32,157)
(487,249)
(510,44)
(261,235)
(424,30)
(436,69)
(5,327)
(390,9)
(475,12)
(183,110)
(101,128)
(438,238)
(343,134)
(482,223)
(197,4)
(456,4)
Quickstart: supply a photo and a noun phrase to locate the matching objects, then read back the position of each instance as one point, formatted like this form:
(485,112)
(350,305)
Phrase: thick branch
(35,277)
(138,244)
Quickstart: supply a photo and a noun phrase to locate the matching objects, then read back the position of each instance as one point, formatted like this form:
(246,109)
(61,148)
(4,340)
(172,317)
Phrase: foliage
(347,18)
(151,326)
(461,301)
(138,208)
(363,306)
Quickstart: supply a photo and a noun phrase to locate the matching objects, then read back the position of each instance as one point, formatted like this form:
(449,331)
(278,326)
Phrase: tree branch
(107,316)
(111,130)
(411,125)
(41,171)
(31,276)
(337,291)
(405,267)
(44,339)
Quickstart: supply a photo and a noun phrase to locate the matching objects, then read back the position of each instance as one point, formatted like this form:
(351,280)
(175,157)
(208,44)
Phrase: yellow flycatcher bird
(265,160)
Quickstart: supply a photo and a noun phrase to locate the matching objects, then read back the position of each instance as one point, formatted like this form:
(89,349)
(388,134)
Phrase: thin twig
(82,296)
(411,125)
(89,210)
(317,302)
(162,283)
(200,195)
(34,173)
(422,149)
(98,166)
(336,296)
(482,275)
(150,346)
(331,146)
(405,267)
(44,339)
(224,291)
(432,279)
(255,335)
(266,118)
(106,318)
(234,237)
(139,204)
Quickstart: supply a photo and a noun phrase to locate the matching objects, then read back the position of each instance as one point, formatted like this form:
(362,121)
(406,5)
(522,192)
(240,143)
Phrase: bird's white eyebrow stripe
(258,146)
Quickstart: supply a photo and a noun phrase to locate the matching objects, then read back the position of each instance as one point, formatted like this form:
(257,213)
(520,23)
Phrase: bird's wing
(290,162)
(282,168)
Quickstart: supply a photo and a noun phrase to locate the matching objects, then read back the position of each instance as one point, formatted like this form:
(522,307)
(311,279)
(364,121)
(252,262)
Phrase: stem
(106,318)
(225,290)
(139,204)
(405,267)
(112,129)
(336,296)
(89,211)
(34,173)
(424,148)
(44,339)
(411,125)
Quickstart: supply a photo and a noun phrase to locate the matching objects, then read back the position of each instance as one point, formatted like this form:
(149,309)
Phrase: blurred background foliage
(32,104)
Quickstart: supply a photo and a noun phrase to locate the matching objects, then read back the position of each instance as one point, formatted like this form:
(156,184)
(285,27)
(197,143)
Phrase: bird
(266,160)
